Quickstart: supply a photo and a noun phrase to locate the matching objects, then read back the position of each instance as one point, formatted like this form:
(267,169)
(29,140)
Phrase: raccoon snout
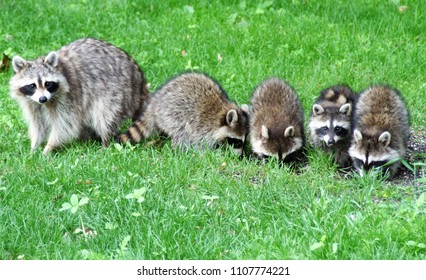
(42,99)
(330,142)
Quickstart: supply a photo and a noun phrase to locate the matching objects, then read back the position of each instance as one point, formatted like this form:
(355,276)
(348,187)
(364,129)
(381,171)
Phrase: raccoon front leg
(37,132)
(38,125)
(54,142)
(61,132)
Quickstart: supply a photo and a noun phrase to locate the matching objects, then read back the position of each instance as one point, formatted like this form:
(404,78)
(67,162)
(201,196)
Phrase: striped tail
(135,134)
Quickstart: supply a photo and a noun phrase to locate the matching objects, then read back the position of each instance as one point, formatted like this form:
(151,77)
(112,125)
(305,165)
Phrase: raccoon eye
(28,89)
(359,162)
(324,128)
(234,142)
(338,129)
(32,86)
(378,163)
(51,86)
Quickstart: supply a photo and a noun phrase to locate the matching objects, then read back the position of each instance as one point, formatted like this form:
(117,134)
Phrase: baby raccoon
(331,121)
(192,109)
(381,130)
(276,121)
(86,88)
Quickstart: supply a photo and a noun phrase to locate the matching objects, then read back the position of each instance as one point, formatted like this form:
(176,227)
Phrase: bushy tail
(139,130)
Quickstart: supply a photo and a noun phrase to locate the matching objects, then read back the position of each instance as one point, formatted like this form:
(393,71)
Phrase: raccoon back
(380,109)
(276,121)
(274,103)
(97,70)
(191,97)
(191,108)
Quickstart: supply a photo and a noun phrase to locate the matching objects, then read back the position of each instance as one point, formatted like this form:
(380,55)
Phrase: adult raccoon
(86,88)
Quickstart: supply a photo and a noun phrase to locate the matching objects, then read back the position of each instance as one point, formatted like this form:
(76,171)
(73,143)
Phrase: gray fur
(331,122)
(193,110)
(98,86)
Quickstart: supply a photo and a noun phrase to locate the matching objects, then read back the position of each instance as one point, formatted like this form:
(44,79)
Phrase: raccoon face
(37,80)
(40,91)
(329,126)
(272,143)
(235,129)
(371,152)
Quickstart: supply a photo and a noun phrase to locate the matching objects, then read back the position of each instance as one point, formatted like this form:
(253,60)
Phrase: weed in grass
(74,206)
(138,196)
(121,251)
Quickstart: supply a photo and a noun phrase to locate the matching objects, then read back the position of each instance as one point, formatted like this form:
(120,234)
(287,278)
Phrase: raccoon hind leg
(104,123)
(104,131)
(88,134)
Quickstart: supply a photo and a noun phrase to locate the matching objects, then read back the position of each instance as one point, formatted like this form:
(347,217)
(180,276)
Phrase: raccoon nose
(330,142)
(366,167)
(42,99)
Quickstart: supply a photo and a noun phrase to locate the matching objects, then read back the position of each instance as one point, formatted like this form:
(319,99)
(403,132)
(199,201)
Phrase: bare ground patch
(416,150)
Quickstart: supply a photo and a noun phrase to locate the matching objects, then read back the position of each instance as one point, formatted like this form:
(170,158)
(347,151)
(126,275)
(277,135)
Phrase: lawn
(150,201)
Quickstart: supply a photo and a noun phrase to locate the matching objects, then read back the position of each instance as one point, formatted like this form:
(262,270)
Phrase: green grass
(212,205)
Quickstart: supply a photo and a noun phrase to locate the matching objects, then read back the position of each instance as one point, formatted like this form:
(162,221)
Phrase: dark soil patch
(416,152)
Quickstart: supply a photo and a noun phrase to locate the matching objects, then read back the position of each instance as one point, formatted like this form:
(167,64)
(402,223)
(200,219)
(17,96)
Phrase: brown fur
(275,107)
(192,109)
(380,110)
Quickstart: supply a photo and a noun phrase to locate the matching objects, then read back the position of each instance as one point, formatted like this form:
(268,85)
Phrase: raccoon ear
(317,109)
(51,59)
(357,135)
(18,63)
(346,109)
(385,138)
(265,132)
(232,118)
(245,108)
(289,131)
